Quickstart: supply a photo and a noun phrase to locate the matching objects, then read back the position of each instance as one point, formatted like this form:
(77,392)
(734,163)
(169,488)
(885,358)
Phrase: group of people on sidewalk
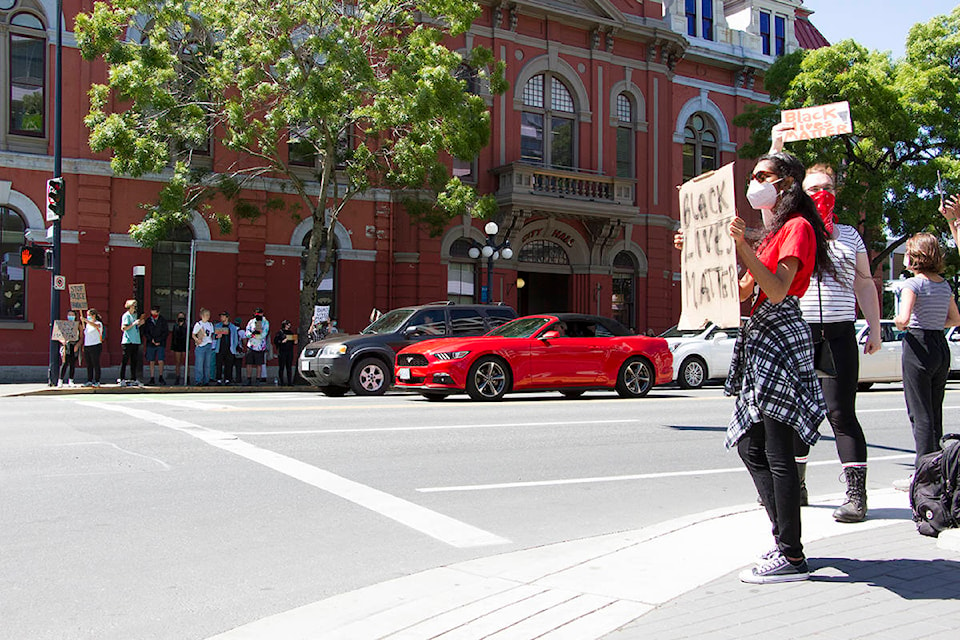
(807,274)
(221,351)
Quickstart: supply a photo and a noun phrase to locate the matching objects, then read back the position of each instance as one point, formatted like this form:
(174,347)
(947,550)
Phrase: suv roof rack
(443,303)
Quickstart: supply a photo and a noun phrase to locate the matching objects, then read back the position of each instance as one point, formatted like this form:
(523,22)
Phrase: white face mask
(763,195)
(90,318)
(70,316)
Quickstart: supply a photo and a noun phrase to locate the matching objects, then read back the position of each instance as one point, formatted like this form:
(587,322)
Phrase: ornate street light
(491,251)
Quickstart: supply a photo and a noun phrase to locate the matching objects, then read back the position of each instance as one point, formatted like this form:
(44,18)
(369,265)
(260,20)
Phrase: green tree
(366,87)
(905,115)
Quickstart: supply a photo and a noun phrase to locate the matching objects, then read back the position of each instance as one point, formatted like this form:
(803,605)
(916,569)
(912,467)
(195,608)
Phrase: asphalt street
(182,516)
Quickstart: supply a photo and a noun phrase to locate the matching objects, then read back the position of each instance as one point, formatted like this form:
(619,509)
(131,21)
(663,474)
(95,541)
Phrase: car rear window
(498,317)
(466,322)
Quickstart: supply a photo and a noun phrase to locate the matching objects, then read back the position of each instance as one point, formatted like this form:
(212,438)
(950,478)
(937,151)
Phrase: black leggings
(69,364)
(926,366)
(840,394)
(92,355)
(768,453)
(131,354)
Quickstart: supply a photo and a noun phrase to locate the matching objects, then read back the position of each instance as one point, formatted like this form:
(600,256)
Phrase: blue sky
(876,24)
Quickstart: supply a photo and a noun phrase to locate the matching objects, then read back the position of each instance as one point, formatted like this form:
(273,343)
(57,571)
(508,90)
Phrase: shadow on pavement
(908,578)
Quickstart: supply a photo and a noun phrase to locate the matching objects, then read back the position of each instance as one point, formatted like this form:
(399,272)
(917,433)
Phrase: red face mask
(825,202)
(154,313)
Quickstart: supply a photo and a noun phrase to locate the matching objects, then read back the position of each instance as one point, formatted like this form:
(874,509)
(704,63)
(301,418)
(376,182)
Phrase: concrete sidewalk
(42,389)
(876,579)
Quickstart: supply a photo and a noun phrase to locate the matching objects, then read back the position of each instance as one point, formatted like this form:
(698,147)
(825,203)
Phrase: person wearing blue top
(226,345)
(130,342)
(926,308)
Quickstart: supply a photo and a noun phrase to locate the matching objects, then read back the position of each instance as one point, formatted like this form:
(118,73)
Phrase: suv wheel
(489,379)
(370,378)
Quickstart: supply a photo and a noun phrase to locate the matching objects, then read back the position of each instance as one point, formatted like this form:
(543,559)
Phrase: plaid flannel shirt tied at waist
(772,373)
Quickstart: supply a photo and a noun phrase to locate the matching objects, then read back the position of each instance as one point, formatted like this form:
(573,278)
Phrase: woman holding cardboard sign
(772,374)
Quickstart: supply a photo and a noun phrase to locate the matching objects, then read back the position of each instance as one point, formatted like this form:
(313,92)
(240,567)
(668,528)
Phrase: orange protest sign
(817,122)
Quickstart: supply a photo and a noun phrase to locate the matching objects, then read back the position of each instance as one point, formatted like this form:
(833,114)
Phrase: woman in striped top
(926,308)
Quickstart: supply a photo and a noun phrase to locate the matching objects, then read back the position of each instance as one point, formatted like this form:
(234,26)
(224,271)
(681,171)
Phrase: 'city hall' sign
(708,263)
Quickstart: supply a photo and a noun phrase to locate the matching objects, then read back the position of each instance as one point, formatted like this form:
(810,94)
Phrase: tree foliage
(366,88)
(905,115)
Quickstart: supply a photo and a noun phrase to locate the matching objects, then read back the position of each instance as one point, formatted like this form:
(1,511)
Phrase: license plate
(403,374)
(304,365)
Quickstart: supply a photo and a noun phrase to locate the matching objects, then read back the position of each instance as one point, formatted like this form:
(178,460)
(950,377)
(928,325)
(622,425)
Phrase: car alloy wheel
(489,379)
(369,378)
(635,379)
(693,372)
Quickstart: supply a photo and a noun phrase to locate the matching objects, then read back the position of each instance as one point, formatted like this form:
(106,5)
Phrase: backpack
(935,489)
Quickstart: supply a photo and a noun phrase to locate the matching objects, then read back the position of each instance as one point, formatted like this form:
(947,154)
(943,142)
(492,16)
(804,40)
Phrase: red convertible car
(565,352)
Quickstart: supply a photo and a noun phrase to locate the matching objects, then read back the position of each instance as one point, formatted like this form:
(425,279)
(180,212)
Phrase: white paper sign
(708,264)
(817,122)
(321,313)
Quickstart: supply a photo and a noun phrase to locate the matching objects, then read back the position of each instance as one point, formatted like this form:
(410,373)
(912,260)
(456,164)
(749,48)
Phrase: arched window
(699,146)
(13,281)
(170,273)
(327,288)
(547,131)
(625,136)
(543,252)
(24,54)
(624,289)
(461,273)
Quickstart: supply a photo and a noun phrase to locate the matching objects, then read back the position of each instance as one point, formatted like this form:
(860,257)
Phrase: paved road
(183,516)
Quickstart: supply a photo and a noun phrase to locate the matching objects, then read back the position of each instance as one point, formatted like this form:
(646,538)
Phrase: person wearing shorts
(258,334)
(155,332)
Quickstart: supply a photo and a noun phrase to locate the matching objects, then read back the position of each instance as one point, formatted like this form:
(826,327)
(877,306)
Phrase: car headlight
(333,349)
(451,355)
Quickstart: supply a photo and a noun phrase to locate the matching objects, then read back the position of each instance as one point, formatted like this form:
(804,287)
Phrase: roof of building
(808,36)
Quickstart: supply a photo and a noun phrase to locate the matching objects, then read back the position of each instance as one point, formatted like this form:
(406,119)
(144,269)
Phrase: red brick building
(612,104)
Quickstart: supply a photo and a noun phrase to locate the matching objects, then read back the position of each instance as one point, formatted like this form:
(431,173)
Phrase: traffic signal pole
(53,372)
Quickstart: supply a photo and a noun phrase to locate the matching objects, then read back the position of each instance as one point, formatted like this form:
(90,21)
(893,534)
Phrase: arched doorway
(544,269)
(624,289)
(170,273)
(327,289)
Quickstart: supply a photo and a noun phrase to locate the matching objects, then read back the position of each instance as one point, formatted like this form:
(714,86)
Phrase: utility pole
(53,373)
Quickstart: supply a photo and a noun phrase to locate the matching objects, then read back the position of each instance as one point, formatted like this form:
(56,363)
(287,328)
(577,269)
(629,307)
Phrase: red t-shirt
(795,239)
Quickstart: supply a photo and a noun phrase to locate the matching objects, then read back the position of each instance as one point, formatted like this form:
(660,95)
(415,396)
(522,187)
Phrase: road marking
(638,476)
(431,523)
(439,427)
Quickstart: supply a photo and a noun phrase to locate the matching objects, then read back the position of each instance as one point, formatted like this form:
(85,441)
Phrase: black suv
(364,362)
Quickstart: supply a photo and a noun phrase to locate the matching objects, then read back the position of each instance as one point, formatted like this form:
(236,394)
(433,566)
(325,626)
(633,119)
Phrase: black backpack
(934,493)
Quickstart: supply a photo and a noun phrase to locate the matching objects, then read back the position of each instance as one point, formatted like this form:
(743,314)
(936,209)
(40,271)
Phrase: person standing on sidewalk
(155,331)
(69,351)
(926,308)
(178,345)
(258,334)
(130,343)
(203,339)
(772,374)
(226,346)
(833,300)
(92,346)
(285,342)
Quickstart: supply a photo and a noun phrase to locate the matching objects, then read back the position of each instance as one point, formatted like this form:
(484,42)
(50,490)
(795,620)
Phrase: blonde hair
(824,168)
(129,303)
(925,253)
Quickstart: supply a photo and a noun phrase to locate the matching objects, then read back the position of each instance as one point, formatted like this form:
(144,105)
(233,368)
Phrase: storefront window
(624,285)
(461,273)
(170,273)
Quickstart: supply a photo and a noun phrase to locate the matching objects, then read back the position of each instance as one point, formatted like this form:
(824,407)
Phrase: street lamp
(491,251)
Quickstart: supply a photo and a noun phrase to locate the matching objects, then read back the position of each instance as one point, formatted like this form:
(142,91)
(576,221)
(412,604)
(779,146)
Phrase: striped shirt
(839,298)
(932,304)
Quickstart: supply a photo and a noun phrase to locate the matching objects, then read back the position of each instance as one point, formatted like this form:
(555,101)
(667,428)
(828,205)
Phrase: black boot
(802,472)
(855,507)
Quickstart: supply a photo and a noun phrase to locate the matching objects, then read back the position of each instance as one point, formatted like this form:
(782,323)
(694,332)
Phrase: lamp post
(53,369)
(491,251)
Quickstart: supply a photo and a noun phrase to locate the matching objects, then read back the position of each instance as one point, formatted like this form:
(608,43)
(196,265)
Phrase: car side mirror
(412,331)
(550,335)
(720,336)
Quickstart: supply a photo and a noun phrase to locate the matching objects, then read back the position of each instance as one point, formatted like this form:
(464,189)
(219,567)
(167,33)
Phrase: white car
(884,365)
(953,339)
(700,354)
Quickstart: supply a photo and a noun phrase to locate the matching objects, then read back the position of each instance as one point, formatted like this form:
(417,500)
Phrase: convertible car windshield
(520,328)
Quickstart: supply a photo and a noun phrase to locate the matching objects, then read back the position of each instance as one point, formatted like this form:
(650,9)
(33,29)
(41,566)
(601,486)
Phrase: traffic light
(55,197)
(32,256)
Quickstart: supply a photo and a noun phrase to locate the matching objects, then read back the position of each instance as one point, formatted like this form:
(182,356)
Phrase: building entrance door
(543,293)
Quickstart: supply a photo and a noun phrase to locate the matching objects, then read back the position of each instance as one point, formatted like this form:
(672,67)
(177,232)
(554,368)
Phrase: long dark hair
(794,200)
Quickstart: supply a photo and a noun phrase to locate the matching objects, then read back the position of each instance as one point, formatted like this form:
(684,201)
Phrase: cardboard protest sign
(78,297)
(65,331)
(708,264)
(817,122)
(321,313)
